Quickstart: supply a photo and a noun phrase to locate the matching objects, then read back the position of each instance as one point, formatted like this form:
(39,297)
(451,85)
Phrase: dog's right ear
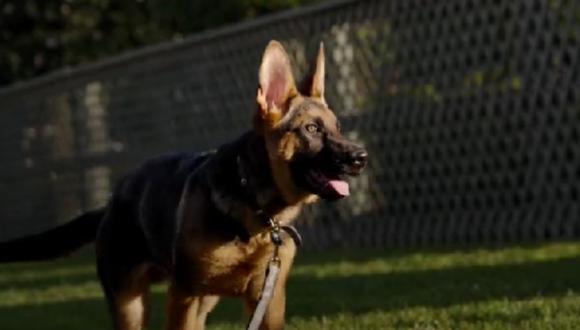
(277,86)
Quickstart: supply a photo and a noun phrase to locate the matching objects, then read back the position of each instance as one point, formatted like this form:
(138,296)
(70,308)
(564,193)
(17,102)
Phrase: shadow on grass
(315,296)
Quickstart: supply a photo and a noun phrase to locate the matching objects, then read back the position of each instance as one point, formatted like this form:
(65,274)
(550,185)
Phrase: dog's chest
(227,269)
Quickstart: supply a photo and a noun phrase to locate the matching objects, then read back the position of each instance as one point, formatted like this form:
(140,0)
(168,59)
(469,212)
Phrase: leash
(273,269)
(271,277)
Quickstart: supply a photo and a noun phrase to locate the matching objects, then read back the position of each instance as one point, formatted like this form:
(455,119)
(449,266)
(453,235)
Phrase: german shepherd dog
(197,220)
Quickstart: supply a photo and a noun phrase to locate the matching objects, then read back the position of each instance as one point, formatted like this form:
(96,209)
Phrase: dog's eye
(312,128)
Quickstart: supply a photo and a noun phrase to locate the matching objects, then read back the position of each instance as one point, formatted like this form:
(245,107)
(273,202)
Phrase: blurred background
(470,110)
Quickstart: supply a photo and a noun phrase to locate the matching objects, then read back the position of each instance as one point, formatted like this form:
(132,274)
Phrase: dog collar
(289,229)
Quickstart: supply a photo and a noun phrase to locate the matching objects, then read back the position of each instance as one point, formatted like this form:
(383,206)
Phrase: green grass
(534,287)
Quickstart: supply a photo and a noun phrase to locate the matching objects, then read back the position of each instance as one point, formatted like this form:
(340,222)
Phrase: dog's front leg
(274,317)
(187,312)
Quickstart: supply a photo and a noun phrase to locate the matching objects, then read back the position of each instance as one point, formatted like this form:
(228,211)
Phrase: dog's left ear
(317,85)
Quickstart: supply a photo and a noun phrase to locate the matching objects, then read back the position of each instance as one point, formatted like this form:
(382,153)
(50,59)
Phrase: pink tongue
(340,187)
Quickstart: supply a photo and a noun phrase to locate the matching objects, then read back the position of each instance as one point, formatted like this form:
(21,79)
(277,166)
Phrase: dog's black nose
(358,158)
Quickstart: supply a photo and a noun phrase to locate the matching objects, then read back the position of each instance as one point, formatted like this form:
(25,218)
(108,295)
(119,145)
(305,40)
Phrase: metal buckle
(276,238)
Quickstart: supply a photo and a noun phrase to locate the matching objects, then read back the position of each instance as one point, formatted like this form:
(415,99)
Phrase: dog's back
(150,195)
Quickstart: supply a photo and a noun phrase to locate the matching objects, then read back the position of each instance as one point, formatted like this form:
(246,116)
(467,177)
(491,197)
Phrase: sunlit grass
(533,287)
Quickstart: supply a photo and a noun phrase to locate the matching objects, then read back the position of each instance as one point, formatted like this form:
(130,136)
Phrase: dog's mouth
(326,186)
(329,185)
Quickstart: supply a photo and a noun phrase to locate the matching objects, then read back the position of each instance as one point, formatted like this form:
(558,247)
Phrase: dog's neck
(245,188)
(254,176)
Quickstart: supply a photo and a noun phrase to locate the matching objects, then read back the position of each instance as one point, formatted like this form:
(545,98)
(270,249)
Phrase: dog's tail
(54,243)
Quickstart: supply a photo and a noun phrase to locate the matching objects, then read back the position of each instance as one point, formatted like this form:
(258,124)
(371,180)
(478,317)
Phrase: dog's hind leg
(124,272)
(187,312)
(128,298)
(206,305)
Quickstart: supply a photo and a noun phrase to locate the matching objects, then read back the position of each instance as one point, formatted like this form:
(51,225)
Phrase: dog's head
(308,154)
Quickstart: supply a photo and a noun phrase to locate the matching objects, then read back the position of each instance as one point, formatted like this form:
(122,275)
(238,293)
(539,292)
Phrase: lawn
(532,287)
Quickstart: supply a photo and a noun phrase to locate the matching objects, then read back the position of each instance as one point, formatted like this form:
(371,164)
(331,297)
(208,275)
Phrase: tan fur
(236,268)
(266,117)
(132,304)
(227,269)
(186,312)
(131,311)
(281,153)
(282,146)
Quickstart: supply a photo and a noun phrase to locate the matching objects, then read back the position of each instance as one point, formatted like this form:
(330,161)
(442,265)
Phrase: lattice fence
(470,110)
